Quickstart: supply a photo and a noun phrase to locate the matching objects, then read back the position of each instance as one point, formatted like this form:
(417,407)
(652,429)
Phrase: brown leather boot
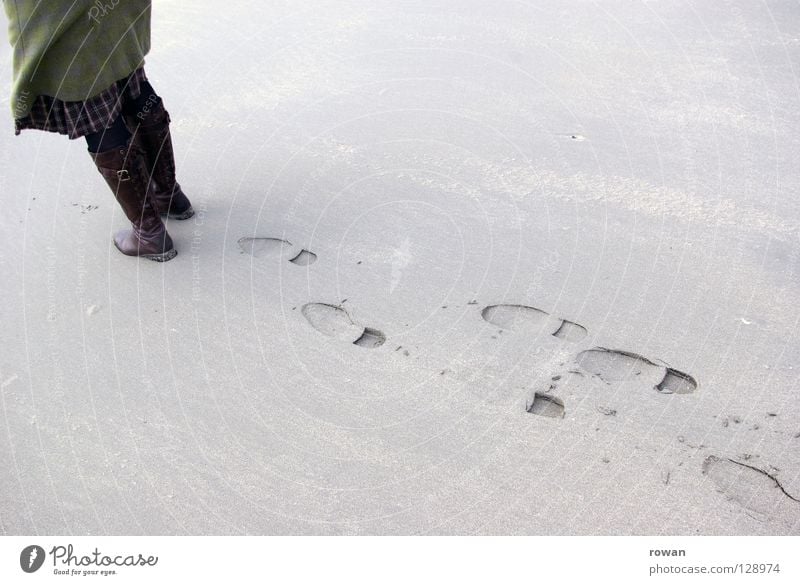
(123,170)
(156,141)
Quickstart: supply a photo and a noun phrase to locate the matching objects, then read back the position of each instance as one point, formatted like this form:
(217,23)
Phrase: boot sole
(163,257)
(180,216)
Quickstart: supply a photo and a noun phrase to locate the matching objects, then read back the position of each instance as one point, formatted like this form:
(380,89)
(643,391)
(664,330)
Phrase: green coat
(74,49)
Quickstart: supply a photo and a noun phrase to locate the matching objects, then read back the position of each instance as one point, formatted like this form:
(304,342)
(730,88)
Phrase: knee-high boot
(124,171)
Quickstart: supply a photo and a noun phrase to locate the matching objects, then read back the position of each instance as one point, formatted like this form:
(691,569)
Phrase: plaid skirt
(76,119)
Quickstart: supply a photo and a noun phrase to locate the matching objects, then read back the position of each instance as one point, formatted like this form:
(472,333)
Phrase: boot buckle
(123,175)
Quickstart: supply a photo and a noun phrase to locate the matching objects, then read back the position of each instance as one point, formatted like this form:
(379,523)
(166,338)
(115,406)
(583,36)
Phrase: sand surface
(458,267)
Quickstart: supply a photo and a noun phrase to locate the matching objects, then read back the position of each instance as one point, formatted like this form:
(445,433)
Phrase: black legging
(117,133)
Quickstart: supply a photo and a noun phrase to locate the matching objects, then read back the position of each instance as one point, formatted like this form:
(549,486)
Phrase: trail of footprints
(607,364)
(740,482)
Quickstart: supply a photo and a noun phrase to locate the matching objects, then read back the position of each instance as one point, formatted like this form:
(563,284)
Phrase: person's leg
(149,121)
(121,162)
(141,108)
(114,136)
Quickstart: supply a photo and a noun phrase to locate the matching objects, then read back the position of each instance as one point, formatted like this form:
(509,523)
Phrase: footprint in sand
(756,490)
(623,366)
(274,247)
(611,366)
(524,318)
(335,322)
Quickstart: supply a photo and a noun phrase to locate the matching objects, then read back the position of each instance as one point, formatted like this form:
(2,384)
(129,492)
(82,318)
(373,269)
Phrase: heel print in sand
(275,247)
(524,318)
(335,322)
(623,366)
